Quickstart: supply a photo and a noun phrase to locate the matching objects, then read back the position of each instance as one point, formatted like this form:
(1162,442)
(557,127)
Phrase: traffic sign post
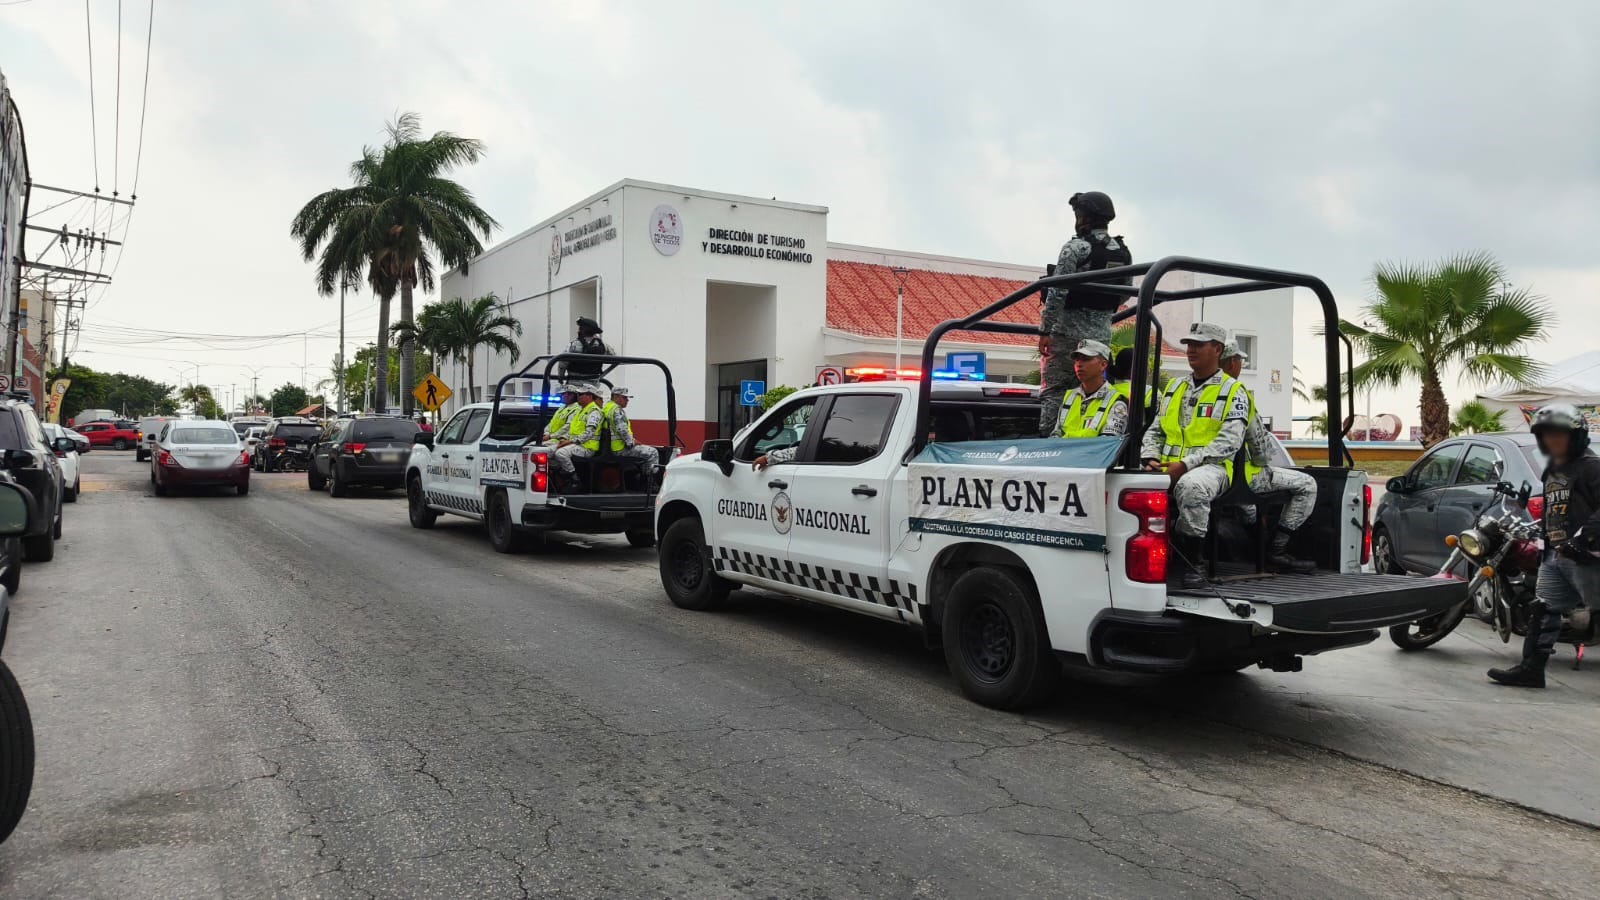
(750,392)
(829,375)
(431,393)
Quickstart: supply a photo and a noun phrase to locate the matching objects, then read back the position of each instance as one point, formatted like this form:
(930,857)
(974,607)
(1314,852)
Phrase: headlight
(1472,542)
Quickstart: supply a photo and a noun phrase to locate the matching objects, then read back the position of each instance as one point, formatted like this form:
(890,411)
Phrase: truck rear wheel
(995,640)
(644,537)
(504,536)
(686,572)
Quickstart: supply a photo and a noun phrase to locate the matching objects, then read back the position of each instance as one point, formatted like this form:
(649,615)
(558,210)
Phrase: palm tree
(481,322)
(1475,418)
(430,330)
(400,216)
(1460,313)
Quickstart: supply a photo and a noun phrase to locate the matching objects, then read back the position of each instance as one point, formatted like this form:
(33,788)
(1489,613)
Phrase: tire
(55,530)
(243,489)
(995,640)
(504,536)
(140,456)
(686,573)
(16,753)
(336,485)
(160,489)
(70,495)
(12,579)
(119,444)
(39,549)
(1384,562)
(314,481)
(417,504)
(642,538)
(1427,632)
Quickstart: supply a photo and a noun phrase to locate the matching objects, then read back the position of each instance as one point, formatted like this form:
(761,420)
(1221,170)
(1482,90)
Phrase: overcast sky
(1304,135)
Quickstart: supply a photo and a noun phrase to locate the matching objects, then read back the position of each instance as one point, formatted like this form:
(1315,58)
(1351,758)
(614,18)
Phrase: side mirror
(424,438)
(1524,493)
(719,451)
(1397,485)
(64,444)
(20,459)
(14,508)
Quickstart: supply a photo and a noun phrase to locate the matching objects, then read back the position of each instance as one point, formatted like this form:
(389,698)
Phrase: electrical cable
(94,129)
(144,100)
(116,131)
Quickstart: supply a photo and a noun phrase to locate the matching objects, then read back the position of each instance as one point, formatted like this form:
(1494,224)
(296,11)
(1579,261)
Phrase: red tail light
(1147,550)
(165,459)
(243,460)
(538,463)
(1536,508)
(355,448)
(277,442)
(1366,523)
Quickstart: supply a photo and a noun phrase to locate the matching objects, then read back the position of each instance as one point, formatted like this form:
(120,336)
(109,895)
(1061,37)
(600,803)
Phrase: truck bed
(1328,602)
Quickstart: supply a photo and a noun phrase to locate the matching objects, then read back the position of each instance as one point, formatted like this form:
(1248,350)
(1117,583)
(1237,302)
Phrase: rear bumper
(593,514)
(179,476)
(387,474)
(1172,642)
(1331,602)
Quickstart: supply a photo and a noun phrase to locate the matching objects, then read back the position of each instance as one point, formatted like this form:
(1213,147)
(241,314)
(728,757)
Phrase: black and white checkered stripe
(884,592)
(469,505)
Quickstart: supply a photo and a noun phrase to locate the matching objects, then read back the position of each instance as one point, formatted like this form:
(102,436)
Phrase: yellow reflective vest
(1211,410)
(561,420)
(579,424)
(608,417)
(1082,419)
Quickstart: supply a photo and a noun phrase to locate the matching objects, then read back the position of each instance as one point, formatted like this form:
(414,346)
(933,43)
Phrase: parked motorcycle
(1501,552)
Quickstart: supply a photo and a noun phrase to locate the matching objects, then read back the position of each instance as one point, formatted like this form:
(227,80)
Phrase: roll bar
(607,364)
(1251,279)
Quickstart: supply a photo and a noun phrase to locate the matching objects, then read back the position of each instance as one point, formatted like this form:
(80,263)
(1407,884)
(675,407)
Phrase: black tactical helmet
(1094,203)
(587,325)
(1562,417)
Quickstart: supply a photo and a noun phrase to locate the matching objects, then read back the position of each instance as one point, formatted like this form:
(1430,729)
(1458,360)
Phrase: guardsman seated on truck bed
(558,424)
(1265,478)
(623,444)
(1200,426)
(1094,407)
(581,440)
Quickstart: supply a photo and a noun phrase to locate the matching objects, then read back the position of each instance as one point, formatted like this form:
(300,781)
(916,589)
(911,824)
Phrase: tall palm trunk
(408,351)
(1435,409)
(472,376)
(380,360)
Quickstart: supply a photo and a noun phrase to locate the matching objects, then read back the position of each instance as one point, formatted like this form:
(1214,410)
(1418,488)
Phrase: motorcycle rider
(1569,573)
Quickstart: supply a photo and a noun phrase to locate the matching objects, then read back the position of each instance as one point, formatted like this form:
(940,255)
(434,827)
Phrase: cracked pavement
(290,695)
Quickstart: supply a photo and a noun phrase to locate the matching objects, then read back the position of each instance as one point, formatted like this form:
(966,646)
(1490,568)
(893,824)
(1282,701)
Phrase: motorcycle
(1502,551)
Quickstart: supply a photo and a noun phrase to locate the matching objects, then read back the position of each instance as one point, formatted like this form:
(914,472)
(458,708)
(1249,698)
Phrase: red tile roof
(861,301)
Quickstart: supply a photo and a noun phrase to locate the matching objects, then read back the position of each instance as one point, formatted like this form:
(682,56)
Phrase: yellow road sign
(431,393)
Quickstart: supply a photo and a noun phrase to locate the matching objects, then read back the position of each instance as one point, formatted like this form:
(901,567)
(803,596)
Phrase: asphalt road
(290,695)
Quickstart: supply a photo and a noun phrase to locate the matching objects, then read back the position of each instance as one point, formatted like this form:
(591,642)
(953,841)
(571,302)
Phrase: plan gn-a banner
(1044,491)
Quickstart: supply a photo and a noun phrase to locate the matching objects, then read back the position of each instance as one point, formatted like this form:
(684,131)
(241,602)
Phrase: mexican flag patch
(1206,409)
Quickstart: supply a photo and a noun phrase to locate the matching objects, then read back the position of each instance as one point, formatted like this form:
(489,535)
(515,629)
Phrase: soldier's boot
(1280,558)
(1187,564)
(1528,673)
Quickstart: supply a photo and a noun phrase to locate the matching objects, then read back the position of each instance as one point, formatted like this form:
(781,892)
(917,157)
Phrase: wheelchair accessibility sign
(750,392)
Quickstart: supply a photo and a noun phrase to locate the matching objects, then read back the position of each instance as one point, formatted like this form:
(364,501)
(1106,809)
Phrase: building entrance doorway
(731,416)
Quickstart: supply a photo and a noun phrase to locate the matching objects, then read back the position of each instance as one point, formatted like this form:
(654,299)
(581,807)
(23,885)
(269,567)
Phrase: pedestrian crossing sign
(431,393)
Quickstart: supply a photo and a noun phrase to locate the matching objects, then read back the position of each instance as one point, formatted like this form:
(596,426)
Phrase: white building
(726,289)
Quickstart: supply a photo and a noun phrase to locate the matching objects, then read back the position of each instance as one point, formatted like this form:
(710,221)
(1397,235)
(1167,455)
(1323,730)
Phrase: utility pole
(344,402)
(900,274)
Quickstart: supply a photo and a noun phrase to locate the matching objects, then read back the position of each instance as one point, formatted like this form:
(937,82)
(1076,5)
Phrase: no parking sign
(829,375)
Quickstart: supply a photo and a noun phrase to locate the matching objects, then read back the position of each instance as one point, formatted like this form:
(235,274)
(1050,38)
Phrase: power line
(94,129)
(138,156)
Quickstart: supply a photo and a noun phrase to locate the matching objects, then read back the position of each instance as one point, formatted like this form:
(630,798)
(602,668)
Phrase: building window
(1247,343)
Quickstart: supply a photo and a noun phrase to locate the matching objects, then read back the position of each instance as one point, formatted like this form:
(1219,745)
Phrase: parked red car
(120,435)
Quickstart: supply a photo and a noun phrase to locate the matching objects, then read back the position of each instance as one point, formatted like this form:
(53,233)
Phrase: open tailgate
(1327,602)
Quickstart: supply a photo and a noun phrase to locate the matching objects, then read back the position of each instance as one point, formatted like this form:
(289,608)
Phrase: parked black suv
(27,454)
(286,444)
(369,450)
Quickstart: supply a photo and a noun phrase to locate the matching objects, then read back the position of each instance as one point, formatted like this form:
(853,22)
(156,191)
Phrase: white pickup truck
(488,462)
(931,505)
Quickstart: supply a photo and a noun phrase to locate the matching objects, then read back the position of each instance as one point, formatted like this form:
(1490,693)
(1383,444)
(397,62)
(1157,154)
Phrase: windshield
(211,434)
(384,430)
(510,428)
(297,431)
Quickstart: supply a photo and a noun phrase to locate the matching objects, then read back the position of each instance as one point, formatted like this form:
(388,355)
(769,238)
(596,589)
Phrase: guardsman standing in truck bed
(1073,315)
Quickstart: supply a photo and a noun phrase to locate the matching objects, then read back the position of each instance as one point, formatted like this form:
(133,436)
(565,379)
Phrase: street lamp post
(900,273)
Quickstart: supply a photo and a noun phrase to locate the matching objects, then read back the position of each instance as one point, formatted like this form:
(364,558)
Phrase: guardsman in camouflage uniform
(623,443)
(587,341)
(556,428)
(582,440)
(1094,407)
(1077,314)
(1261,450)
(1200,426)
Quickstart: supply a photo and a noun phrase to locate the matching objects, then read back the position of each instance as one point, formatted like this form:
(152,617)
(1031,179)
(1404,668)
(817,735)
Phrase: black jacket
(1572,501)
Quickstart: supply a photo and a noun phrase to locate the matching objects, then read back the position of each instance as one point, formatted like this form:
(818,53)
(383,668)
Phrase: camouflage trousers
(1055,367)
(1192,497)
(561,460)
(1302,490)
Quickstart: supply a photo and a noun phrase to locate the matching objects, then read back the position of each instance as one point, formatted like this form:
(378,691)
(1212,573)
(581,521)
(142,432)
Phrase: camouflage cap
(621,392)
(1205,332)
(1088,348)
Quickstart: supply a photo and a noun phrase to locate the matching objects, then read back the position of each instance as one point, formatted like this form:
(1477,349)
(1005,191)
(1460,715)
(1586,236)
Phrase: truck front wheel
(686,572)
(995,641)
(422,516)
